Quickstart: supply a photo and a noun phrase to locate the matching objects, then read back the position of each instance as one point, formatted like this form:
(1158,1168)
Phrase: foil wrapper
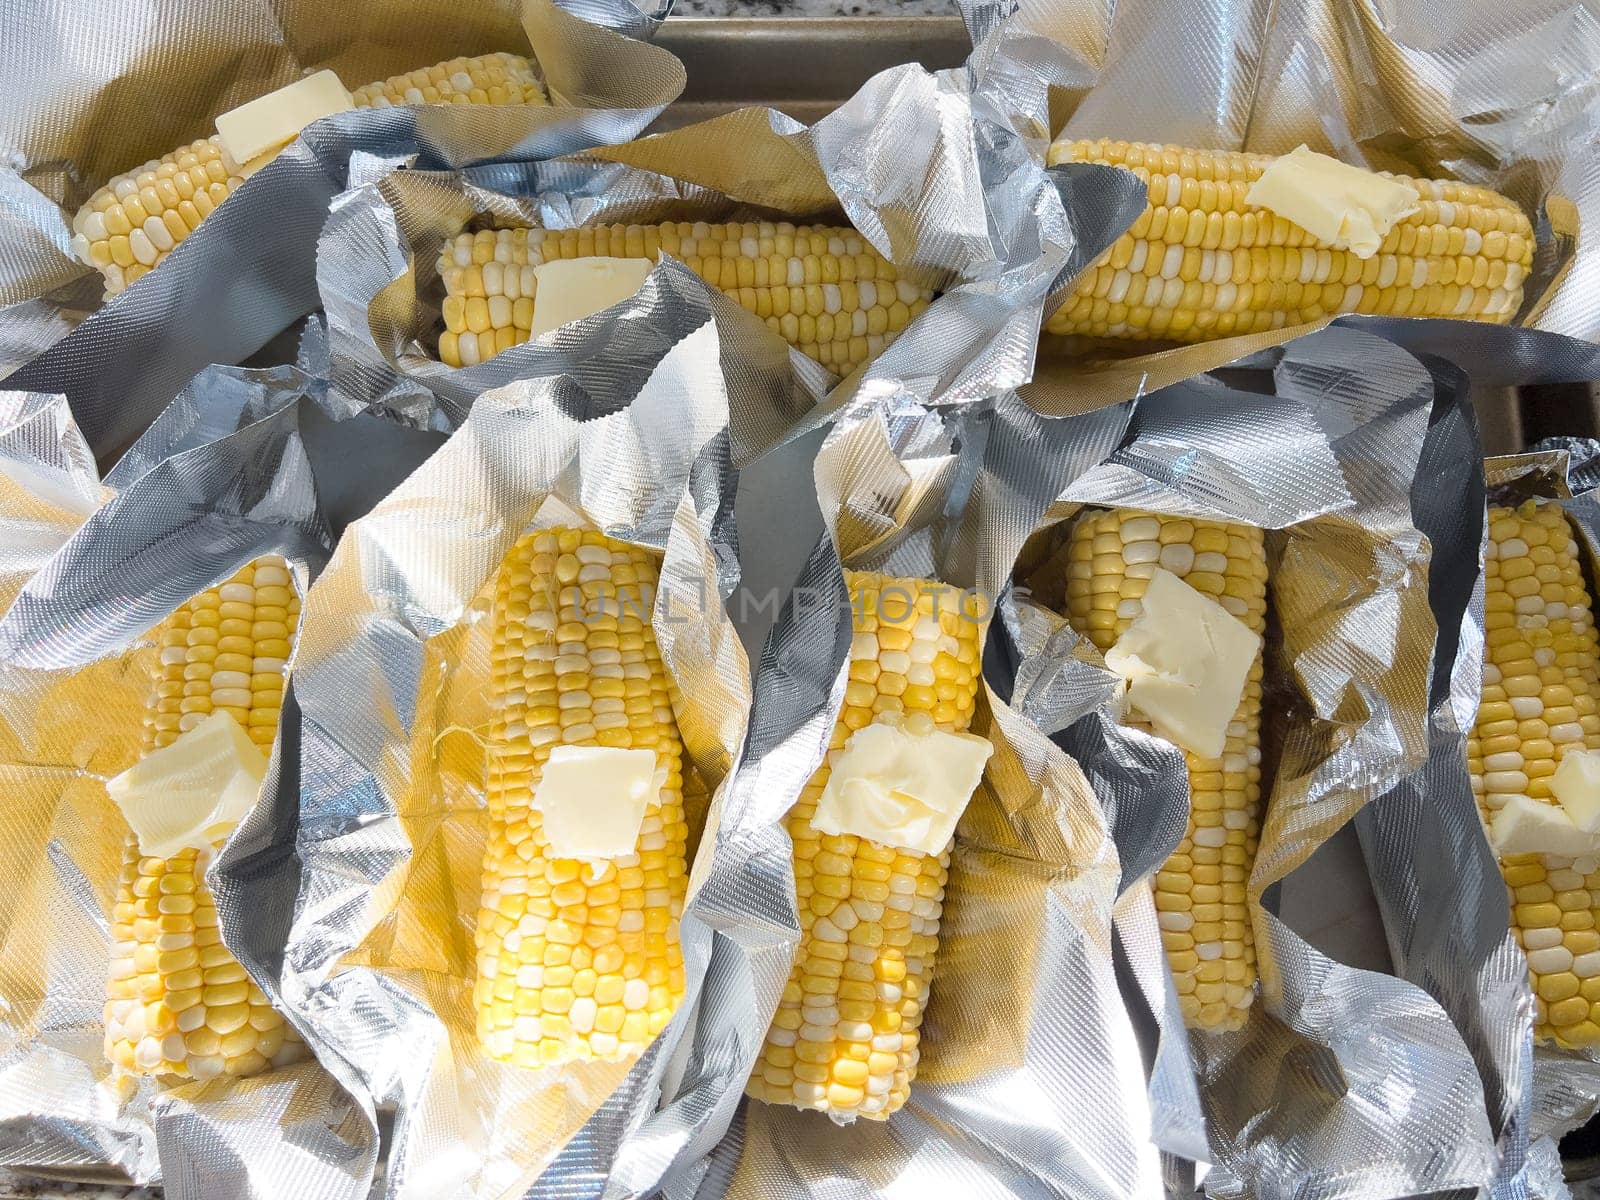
(1025,1006)
(1496,95)
(161,74)
(1563,1085)
(927,167)
(1360,459)
(222,478)
(384,852)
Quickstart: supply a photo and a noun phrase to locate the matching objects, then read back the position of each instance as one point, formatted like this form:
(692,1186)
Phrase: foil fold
(194,310)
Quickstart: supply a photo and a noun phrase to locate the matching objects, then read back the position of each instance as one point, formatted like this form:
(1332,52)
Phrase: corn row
(1200,263)
(128,226)
(577,960)
(487,79)
(178,1003)
(825,291)
(1541,682)
(845,1036)
(1200,892)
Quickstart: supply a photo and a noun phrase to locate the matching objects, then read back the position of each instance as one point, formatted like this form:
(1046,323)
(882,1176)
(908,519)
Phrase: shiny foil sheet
(48,484)
(925,166)
(1495,94)
(1564,1084)
(383,854)
(159,74)
(1032,1078)
(222,478)
(1361,463)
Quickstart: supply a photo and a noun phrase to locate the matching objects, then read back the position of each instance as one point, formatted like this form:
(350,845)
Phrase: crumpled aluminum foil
(230,287)
(1499,95)
(1025,1004)
(222,478)
(384,853)
(1362,464)
(926,166)
(48,484)
(1564,1085)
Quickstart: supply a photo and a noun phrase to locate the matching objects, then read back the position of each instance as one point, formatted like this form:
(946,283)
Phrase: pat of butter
(570,289)
(1576,787)
(268,123)
(902,784)
(191,794)
(593,800)
(1523,825)
(1186,659)
(1335,203)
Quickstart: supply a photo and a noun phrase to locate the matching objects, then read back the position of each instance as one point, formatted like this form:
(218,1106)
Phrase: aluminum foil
(926,166)
(1564,1084)
(384,853)
(1025,1006)
(222,478)
(1500,95)
(122,364)
(48,484)
(1361,463)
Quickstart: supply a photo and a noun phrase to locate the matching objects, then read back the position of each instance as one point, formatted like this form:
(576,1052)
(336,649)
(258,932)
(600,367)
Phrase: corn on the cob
(825,291)
(1200,263)
(845,1036)
(178,1003)
(1541,684)
(1199,891)
(128,226)
(488,79)
(136,219)
(577,960)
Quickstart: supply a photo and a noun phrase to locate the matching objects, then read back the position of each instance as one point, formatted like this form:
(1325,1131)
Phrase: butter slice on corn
(1341,206)
(190,794)
(844,1039)
(577,959)
(128,226)
(1541,685)
(268,123)
(178,1003)
(574,288)
(1200,892)
(1203,262)
(825,291)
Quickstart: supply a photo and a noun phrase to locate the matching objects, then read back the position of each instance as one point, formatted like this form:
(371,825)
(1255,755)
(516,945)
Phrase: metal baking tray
(805,67)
